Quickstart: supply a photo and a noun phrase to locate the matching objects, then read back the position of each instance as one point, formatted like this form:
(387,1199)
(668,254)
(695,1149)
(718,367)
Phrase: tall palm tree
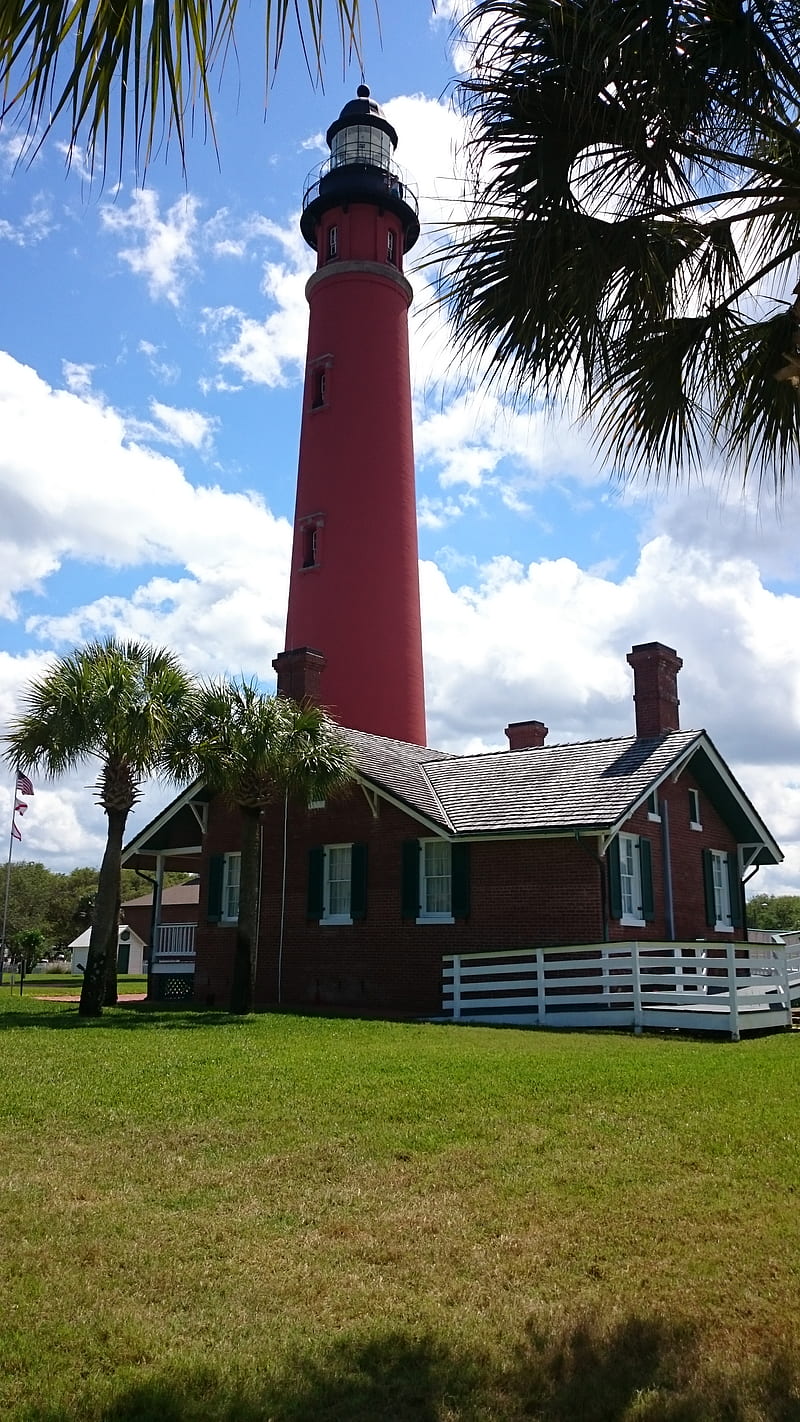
(105,67)
(257,751)
(633,247)
(117,703)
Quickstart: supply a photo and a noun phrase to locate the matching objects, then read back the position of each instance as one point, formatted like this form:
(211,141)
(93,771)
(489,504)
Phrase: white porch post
(456,985)
(541,988)
(637,990)
(155,931)
(783,974)
(730,955)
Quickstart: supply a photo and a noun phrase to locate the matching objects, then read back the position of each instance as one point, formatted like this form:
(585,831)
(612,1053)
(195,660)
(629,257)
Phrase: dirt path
(123,997)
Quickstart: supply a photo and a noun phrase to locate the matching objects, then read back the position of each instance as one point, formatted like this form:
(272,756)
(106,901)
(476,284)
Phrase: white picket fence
(732,988)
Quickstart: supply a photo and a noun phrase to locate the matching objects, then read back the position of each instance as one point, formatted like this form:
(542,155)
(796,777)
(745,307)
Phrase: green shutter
(358,881)
(735,887)
(614,880)
(216,872)
(708,885)
(316,870)
(410,879)
(460,880)
(646,871)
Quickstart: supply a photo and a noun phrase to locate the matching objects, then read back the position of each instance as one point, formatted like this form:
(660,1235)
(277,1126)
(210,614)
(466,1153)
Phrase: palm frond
(108,66)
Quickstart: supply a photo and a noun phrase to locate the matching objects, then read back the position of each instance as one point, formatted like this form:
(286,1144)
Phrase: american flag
(15,833)
(24,785)
(20,807)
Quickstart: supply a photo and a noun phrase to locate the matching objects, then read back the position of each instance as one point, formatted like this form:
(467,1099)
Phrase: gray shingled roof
(584,784)
(399,767)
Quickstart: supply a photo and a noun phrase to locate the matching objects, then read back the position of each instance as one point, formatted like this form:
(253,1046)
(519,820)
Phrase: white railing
(705,987)
(174,940)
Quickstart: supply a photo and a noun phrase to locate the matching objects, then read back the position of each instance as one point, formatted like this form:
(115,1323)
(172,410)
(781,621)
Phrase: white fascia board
(133,847)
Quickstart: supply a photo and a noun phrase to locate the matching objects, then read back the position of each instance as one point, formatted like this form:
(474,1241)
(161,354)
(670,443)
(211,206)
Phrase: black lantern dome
(361,168)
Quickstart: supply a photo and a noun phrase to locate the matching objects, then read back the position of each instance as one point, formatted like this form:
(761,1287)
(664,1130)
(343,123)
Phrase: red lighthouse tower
(353,625)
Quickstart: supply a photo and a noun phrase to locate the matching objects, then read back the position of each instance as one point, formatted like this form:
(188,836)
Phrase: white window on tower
(333,243)
(390,247)
(231,876)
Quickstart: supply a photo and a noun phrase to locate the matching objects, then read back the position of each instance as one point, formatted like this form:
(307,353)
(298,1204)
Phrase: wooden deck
(701,987)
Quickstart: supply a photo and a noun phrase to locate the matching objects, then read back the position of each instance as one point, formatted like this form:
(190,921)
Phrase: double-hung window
(231,878)
(435,881)
(337,883)
(224,875)
(722,890)
(630,876)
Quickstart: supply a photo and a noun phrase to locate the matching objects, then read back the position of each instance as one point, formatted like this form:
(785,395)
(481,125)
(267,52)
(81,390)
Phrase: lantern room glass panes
(361,143)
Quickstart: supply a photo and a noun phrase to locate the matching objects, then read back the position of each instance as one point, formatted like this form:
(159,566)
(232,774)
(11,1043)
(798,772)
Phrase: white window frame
(722,892)
(652,808)
(231,885)
(427,915)
(630,881)
(694,809)
(331,860)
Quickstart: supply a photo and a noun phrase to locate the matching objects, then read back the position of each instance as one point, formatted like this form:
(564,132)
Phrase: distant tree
(27,948)
(634,246)
(117,703)
(111,68)
(781,911)
(29,897)
(258,751)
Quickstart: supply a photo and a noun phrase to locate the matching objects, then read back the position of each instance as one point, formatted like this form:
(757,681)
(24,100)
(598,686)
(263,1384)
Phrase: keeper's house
(430,857)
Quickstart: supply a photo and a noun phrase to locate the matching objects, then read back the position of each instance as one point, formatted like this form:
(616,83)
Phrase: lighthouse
(353,636)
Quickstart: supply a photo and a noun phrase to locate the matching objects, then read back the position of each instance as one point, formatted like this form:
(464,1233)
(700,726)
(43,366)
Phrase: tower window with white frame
(332,245)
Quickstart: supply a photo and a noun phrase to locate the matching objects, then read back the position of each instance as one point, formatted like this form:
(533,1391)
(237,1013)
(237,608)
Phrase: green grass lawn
(288,1218)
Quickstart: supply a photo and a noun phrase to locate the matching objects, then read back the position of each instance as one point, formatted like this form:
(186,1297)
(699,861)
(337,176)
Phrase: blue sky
(151,353)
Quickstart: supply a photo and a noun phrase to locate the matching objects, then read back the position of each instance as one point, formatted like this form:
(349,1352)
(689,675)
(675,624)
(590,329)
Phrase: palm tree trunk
(244,963)
(103,918)
(112,952)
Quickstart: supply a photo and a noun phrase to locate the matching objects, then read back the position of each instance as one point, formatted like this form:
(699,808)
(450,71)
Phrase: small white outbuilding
(130,951)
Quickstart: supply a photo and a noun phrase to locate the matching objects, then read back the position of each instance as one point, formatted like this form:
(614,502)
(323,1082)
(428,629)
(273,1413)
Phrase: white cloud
(184,426)
(32,228)
(72,488)
(164,250)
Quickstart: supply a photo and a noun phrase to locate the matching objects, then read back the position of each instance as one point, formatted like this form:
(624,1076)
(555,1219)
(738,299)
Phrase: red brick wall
(530,892)
(686,845)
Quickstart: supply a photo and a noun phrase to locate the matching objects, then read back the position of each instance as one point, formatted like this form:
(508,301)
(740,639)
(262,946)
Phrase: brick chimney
(524,735)
(655,688)
(299,674)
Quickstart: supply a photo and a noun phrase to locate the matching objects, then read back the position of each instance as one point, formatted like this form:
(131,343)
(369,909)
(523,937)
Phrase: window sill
(229,922)
(335,920)
(695,825)
(724,928)
(436,918)
(628,922)
(654,819)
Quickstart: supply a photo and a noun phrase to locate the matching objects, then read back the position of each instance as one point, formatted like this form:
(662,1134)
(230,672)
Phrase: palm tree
(116,702)
(257,750)
(632,245)
(105,67)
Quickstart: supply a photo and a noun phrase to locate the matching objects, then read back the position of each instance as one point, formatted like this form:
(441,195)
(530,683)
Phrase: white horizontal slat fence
(702,987)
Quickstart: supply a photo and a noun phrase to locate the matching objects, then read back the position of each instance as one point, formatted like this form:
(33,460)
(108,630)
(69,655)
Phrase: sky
(152,339)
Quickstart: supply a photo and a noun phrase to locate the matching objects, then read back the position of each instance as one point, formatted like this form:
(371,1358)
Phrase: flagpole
(8,885)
